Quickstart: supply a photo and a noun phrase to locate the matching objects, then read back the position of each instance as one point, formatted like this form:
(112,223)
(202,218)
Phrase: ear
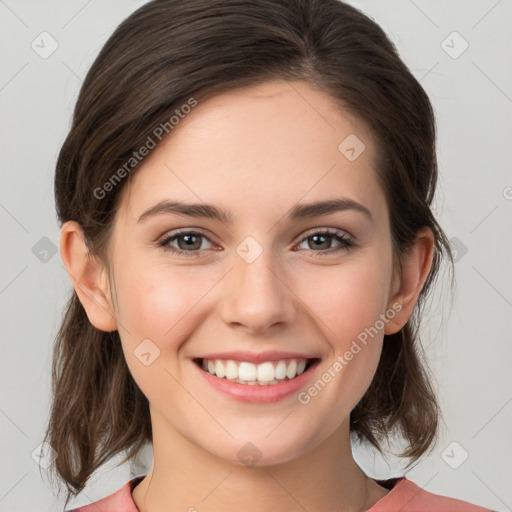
(408,285)
(89,277)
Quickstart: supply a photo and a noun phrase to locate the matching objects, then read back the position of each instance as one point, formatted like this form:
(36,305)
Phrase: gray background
(469,346)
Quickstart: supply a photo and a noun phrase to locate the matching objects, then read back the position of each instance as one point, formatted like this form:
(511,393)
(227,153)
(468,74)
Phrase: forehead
(278,142)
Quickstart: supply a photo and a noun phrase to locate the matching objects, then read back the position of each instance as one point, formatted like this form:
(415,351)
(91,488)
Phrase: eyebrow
(298,212)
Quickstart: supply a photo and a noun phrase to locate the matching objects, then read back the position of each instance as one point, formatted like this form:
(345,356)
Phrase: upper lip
(253,357)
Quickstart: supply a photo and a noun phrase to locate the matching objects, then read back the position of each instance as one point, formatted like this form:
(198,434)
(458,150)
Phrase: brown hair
(160,56)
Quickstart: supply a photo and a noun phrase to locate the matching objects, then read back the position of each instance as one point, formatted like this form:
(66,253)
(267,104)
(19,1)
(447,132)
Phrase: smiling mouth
(268,373)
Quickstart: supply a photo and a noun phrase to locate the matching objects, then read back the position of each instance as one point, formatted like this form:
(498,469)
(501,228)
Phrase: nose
(258,296)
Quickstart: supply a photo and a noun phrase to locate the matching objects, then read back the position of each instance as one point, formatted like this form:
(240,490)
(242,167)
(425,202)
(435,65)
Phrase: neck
(184,477)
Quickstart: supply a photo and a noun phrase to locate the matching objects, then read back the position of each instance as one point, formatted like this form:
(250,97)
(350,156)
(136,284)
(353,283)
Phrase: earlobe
(89,277)
(415,269)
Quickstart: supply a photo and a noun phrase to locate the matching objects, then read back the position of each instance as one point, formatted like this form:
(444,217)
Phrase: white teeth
(247,371)
(280,371)
(267,373)
(291,371)
(231,370)
(220,371)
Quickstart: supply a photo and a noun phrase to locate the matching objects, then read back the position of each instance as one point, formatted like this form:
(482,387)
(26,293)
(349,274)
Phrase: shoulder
(406,496)
(119,501)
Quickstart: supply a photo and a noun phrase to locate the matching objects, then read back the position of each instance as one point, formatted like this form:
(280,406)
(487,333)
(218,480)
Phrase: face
(268,283)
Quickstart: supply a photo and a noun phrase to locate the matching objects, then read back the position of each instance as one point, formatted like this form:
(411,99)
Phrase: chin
(261,450)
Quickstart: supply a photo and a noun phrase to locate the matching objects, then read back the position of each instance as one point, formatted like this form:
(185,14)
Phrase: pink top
(404,496)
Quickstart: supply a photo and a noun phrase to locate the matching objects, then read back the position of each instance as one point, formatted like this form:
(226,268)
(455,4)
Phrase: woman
(245,205)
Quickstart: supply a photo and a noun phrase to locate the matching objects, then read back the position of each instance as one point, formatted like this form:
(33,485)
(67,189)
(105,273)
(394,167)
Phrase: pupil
(189,242)
(316,237)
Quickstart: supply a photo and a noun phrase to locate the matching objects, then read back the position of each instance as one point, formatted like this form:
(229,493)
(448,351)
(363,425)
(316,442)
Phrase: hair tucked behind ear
(162,55)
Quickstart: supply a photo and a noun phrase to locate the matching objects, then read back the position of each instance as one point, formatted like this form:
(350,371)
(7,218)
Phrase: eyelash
(346,243)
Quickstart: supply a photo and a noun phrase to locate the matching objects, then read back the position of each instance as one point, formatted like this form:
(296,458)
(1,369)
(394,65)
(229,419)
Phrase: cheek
(156,306)
(346,299)
(152,302)
(347,302)
(162,303)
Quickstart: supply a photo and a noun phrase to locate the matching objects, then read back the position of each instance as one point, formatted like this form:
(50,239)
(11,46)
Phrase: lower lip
(256,393)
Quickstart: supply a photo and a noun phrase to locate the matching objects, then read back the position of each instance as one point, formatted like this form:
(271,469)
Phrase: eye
(189,243)
(323,240)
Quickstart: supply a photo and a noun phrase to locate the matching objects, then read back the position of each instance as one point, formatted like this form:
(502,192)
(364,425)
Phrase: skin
(256,152)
